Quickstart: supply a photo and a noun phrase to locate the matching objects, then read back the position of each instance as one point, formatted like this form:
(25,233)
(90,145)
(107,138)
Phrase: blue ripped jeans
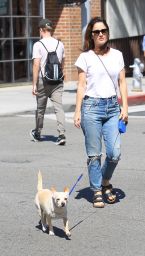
(99,119)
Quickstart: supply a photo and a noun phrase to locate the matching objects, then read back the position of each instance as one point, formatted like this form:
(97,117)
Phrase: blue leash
(79,178)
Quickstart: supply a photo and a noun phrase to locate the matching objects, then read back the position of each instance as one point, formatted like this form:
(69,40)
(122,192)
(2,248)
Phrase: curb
(134,100)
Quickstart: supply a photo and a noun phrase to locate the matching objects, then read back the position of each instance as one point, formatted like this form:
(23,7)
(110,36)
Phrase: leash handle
(79,178)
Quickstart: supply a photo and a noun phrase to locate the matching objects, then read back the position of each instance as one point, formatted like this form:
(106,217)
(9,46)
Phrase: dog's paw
(51,233)
(68,234)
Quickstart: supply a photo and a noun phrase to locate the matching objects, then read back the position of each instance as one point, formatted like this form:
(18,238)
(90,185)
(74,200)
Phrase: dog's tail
(39,185)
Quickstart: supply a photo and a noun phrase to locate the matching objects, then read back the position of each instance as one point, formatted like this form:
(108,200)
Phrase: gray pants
(55,95)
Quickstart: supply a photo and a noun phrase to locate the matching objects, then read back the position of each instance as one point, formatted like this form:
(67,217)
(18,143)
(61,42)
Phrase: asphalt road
(139,113)
(116,230)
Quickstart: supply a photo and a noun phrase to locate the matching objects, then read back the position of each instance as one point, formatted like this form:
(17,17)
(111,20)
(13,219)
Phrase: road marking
(69,115)
(138,117)
(137,108)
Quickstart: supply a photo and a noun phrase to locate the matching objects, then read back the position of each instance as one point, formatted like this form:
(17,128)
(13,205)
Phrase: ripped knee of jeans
(93,158)
(115,159)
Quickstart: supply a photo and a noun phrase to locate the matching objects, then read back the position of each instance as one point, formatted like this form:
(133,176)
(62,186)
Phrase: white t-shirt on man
(40,52)
(99,84)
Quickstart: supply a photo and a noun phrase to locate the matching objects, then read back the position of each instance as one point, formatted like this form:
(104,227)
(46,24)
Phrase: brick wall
(67,23)
(95,8)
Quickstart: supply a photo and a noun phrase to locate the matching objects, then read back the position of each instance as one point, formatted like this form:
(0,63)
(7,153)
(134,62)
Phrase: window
(18,7)
(18,31)
(4,7)
(5,27)
(5,50)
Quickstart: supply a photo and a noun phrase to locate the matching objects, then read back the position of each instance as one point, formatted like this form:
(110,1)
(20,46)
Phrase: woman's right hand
(77,119)
(79,97)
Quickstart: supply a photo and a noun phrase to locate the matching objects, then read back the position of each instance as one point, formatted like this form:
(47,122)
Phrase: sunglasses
(103,31)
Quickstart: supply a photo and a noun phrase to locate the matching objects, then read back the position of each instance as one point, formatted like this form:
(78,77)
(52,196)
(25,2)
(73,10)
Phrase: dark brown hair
(89,42)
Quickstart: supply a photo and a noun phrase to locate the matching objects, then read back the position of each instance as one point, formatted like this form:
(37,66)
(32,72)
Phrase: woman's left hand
(124,115)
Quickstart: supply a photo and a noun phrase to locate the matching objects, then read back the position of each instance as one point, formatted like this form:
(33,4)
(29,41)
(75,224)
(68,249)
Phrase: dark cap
(45,23)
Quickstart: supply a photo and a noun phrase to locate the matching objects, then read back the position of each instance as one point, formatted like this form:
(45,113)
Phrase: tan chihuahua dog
(51,204)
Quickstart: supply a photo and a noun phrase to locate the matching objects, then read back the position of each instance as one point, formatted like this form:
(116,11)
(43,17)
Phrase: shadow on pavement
(57,231)
(49,138)
(120,194)
(87,194)
(71,91)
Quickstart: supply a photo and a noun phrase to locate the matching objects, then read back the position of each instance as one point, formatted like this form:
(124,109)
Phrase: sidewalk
(135,97)
(18,99)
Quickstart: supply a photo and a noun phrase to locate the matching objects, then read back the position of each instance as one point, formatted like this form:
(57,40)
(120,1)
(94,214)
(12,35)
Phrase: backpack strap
(57,46)
(46,48)
(43,45)
(48,52)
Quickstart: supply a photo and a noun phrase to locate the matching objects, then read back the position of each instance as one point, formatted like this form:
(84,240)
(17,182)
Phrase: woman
(100,72)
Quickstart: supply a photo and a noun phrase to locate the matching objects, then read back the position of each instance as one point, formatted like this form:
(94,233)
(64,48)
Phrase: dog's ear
(66,189)
(53,189)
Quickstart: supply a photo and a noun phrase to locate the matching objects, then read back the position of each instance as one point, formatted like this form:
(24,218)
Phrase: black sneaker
(61,140)
(35,135)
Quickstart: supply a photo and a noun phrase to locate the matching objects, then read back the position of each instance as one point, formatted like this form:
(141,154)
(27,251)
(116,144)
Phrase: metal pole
(85,16)
(43,8)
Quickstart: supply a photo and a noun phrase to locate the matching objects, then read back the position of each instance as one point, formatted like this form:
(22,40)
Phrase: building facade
(19,30)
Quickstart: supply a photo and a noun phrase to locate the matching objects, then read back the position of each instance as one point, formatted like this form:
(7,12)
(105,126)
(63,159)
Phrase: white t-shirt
(40,52)
(99,84)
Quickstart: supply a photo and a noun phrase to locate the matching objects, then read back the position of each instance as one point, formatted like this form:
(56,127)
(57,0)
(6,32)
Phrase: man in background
(43,90)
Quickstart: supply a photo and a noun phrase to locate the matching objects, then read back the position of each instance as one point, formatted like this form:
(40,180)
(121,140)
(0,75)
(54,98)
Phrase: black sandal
(98,200)
(109,194)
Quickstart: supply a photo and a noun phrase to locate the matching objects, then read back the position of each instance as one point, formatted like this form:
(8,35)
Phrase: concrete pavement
(17,99)
(116,230)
